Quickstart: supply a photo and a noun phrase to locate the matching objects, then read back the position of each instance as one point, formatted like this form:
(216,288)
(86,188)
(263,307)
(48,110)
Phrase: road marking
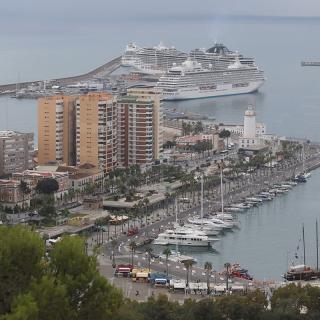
(160,262)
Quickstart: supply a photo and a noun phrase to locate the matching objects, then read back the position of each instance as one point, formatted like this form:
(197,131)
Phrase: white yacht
(254,200)
(208,230)
(224,223)
(182,238)
(191,81)
(226,217)
(207,222)
(176,256)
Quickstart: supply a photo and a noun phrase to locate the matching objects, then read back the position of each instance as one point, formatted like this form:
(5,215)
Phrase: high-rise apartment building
(16,152)
(100,130)
(136,132)
(151,93)
(96,130)
(56,130)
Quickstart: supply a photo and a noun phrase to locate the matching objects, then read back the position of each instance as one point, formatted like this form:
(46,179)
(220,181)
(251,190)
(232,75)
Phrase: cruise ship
(153,60)
(191,81)
(160,59)
(219,57)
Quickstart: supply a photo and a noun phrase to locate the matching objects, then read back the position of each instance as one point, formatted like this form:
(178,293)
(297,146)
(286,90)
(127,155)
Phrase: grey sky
(82,8)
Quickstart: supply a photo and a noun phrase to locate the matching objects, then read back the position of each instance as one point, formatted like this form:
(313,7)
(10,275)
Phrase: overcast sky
(82,8)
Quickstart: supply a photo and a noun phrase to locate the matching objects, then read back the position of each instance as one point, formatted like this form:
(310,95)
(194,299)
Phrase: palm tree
(188,265)
(114,243)
(149,252)
(227,265)
(146,202)
(24,188)
(208,268)
(167,253)
(133,247)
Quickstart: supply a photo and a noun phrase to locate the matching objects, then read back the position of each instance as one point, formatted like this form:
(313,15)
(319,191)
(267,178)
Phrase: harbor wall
(106,68)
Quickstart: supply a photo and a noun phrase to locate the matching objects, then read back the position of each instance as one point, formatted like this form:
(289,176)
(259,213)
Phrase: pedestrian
(137,292)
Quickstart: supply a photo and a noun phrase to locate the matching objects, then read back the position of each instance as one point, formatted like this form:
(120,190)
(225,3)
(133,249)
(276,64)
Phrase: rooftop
(10,133)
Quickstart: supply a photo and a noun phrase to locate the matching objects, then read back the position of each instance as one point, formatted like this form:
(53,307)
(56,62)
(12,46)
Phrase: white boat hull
(182,243)
(221,90)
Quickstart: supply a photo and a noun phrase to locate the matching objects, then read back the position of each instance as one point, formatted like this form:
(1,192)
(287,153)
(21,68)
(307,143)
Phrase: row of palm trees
(188,264)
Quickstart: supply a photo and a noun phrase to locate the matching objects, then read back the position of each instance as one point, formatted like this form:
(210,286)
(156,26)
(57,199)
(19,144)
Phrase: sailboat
(183,237)
(303,272)
(304,174)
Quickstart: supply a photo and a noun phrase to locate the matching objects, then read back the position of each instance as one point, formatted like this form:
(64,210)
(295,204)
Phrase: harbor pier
(102,71)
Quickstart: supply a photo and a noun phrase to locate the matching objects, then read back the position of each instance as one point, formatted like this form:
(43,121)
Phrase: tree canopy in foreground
(65,285)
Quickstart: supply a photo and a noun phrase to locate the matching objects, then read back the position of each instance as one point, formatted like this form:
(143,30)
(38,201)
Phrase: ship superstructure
(191,80)
(154,60)
(160,59)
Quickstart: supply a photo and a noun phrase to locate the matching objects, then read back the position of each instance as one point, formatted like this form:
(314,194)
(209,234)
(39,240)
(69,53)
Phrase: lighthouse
(249,130)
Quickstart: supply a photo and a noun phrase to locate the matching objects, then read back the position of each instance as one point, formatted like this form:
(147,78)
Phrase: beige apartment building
(100,130)
(96,131)
(16,152)
(151,93)
(56,130)
(138,134)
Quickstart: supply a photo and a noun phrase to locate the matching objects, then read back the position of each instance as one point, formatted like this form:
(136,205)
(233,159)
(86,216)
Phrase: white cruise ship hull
(220,90)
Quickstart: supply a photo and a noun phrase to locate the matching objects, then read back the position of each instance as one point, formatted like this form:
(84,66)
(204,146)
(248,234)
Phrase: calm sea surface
(289,104)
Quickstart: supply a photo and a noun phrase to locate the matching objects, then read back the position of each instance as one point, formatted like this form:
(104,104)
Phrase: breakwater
(103,70)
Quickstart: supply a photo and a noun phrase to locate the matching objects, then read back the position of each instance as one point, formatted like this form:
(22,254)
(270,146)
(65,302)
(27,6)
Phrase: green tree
(149,253)
(188,265)
(47,299)
(202,310)
(235,307)
(225,134)
(47,186)
(289,299)
(24,308)
(208,268)
(167,253)
(91,297)
(133,247)
(198,127)
(227,265)
(25,190)
(21,252)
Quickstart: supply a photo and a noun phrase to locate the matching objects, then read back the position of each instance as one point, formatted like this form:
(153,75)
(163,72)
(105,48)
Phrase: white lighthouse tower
(250,138)
(249,130)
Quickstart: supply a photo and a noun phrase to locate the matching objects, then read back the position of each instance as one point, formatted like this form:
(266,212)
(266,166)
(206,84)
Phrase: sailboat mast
(176,210)
(317,244)
(304,246)
(303,159)
(201,208)
(221,189)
